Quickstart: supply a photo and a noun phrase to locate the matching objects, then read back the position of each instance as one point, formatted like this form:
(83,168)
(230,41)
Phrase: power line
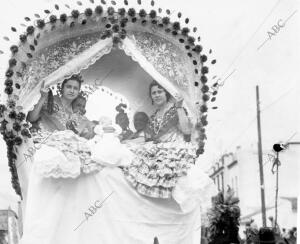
(279,98)
(241,134)
(234,60)
(264,109)
(251,37)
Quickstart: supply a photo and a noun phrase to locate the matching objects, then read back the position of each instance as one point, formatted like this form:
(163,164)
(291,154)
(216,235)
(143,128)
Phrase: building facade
(9,227)
(225,173)
(240,172)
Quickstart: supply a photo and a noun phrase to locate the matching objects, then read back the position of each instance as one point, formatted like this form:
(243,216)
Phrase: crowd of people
(276,234)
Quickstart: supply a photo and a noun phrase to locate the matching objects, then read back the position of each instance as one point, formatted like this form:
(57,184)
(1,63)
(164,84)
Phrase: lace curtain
(166,63)
(160,58)
(58,62)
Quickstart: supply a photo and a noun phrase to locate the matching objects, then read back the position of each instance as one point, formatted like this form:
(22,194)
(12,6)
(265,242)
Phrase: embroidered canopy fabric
(53,50)
(160,57)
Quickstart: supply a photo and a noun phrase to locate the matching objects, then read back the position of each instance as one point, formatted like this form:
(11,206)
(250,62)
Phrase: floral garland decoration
(14,131)
(13,126)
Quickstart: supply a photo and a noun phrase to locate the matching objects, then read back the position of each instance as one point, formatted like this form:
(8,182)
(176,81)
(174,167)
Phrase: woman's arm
(34,115)
(184,122)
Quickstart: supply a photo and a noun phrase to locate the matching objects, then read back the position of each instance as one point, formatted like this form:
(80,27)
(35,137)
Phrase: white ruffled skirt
(102,207)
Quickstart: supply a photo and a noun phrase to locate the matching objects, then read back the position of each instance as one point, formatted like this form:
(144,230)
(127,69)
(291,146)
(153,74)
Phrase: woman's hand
(34,115)
(44,91)
(178,103)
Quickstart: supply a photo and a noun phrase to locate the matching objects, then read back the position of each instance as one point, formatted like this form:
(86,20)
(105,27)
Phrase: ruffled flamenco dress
(77,193)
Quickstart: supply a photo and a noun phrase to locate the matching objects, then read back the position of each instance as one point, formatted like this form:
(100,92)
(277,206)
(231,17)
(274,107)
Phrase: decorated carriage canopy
(119,51)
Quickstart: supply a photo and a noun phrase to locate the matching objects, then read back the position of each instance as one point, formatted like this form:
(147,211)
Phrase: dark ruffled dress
(158,164)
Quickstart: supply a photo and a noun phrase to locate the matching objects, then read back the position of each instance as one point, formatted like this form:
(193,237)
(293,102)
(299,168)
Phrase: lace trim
(34,98)
(129,48)
(155,191)
(46,168)
(91,168)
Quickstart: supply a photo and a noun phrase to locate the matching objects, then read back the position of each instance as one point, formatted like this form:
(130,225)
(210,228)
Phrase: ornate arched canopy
(54,49)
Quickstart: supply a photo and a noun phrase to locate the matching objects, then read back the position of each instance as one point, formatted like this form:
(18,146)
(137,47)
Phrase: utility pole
(278,148)
(261,169)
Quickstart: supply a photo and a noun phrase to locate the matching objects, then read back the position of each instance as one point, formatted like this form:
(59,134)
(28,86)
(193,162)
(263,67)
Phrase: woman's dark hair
(50,102)
(155,83)
(76,77)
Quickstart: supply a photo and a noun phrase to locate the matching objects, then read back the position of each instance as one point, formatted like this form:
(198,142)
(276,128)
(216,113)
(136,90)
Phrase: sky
(249,51)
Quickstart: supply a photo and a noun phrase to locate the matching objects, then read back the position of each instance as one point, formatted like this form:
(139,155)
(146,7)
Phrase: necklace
(68,118)
(157,125)
(65,110)
(159,120)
